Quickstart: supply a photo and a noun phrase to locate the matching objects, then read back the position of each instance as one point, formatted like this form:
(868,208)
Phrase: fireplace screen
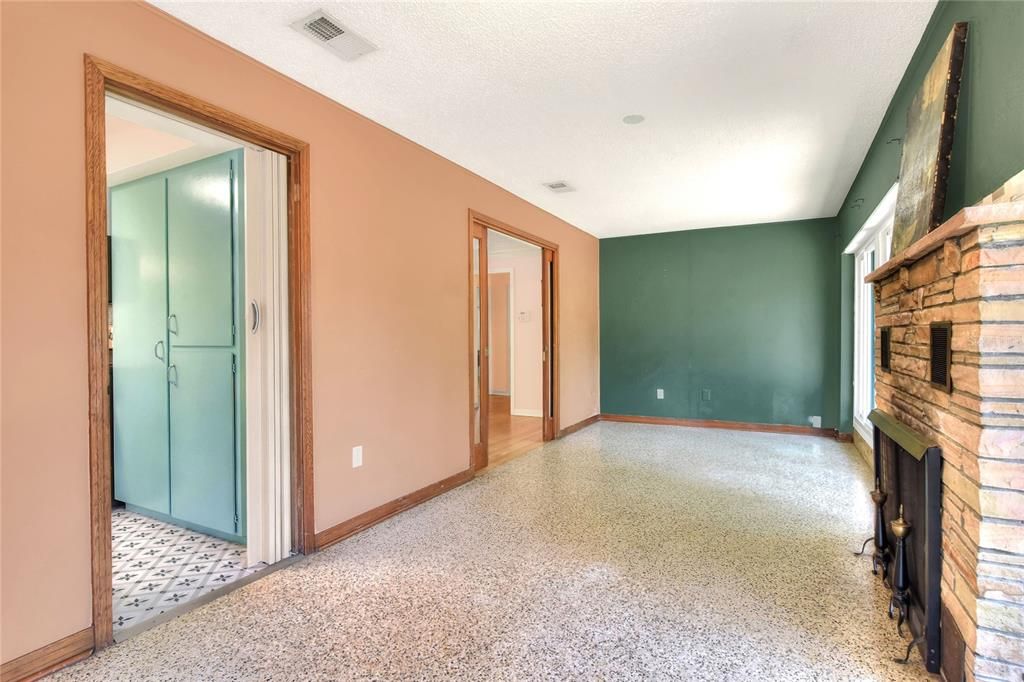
(908,531)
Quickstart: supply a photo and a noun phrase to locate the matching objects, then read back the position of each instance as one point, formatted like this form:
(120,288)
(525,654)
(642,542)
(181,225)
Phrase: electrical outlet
(815,421)
(661,394)
(705,394)
(357,456)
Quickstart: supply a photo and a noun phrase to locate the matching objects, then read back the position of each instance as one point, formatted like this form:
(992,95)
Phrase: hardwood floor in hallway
(621,552)
(508,435)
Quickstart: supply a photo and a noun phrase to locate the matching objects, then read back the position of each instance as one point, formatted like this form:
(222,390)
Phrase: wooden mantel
(1005,205)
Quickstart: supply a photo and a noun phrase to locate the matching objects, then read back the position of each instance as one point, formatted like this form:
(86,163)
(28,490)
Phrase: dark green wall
(988,142)
(690,310)
(746,312)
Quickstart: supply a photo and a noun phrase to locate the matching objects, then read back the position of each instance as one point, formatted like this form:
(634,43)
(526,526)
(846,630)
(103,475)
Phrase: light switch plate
(357,456)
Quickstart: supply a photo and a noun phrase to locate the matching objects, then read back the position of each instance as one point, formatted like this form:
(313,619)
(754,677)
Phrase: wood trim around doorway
(478,362)
(551,383)
(102,77)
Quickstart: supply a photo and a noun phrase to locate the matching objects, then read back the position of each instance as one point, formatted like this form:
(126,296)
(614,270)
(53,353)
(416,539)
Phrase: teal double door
(176,269)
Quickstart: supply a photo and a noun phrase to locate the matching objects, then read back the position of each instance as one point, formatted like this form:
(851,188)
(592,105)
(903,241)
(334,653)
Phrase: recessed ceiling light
(632,119)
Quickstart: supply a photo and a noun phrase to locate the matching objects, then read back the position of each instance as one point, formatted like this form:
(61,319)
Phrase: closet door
(201,318)
(138,288)
(202,388)
(200,253)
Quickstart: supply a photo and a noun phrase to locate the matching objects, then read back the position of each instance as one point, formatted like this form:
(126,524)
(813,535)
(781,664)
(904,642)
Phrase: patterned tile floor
(158,566)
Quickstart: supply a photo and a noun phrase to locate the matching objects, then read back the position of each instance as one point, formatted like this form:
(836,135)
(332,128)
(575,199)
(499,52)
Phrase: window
(870,248)
(864,339)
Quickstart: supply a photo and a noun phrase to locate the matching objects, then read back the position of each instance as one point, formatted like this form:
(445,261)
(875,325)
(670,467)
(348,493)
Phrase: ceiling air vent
(885,354)
(323,29)
(941,355)
(560,186)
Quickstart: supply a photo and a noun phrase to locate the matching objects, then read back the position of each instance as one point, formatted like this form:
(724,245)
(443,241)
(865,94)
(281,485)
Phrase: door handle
(172,328)
(255,316)
(158,350)
(174,381)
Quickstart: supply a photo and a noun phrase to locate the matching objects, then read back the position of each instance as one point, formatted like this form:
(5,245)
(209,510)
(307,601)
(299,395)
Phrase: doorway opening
(199,384)
(513,344)
(197,288)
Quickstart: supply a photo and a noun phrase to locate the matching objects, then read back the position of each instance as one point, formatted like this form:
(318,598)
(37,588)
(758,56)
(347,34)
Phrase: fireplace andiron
(900,600)
(880,557)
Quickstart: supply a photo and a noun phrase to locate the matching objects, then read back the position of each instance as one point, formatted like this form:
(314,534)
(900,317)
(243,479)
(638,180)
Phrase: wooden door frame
(102,77)
(478,455)
(550,365)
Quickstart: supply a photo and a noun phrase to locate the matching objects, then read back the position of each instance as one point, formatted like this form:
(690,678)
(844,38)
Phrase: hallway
(508,435)
(622,551)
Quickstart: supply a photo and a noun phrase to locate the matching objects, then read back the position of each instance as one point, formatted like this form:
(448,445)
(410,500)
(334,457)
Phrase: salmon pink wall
(390,342)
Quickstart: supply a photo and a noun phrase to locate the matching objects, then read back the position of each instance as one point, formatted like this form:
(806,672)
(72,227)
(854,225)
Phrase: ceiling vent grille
(325,30)
(560,186)
(941,355)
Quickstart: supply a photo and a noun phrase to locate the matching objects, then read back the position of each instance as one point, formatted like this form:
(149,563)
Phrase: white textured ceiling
(756,112)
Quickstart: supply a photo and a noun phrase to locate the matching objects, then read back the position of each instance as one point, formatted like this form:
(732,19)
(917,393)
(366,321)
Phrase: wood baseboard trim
(579,425)
(718,424)
(356,524)
(710,424)
(47,659)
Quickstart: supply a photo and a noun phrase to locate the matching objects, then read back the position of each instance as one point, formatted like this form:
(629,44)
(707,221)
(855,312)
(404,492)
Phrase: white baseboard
(527,413)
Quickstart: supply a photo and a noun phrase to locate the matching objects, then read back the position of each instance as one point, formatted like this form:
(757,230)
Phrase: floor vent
(941,354)
(325,30)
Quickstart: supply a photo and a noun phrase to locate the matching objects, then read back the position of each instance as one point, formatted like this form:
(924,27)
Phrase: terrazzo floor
(621,552)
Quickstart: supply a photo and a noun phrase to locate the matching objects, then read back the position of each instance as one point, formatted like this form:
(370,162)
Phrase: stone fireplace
(967,278)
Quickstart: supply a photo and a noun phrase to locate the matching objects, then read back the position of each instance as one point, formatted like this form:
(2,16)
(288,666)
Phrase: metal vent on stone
(941,355)
(559,186)
(325,30)
(885,352)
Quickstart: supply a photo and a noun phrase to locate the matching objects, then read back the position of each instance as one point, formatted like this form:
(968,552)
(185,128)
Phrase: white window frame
(871,247)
